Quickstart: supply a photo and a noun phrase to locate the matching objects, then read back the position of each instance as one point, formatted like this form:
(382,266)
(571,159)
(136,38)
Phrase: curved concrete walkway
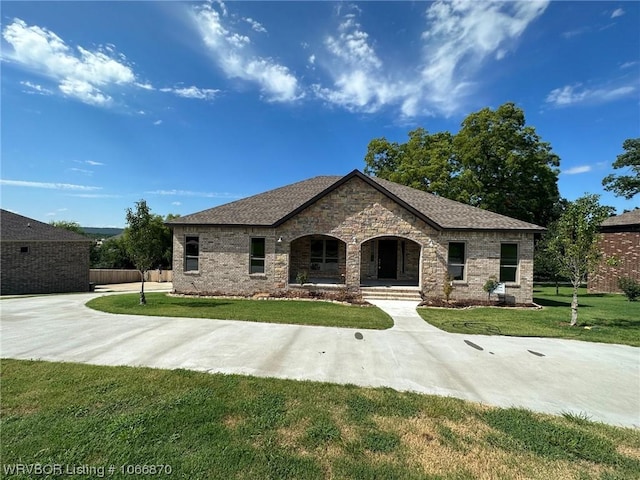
(547,375)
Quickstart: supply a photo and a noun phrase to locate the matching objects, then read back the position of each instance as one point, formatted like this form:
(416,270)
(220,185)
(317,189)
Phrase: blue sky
(191,105)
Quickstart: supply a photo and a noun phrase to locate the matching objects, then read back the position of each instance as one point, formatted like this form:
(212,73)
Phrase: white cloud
(628,64)
(81,74)
(576,94)
(255,26)
(459,37)
(189,193)
(618,12)
(231,52)
(47,185)
(177,204)
(94,163)
(577,170)
(81,170)
(94,195)
(193,92)
(35,88)
(158,122)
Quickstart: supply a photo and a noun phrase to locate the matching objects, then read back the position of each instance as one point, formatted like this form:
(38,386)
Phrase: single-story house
(40,258)
(620,247)
(354,231)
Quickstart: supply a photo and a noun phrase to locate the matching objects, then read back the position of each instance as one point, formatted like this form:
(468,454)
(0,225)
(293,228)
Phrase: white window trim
(517,265)
(463,265)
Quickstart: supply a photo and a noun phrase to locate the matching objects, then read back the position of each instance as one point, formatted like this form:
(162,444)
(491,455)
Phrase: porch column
(352,274)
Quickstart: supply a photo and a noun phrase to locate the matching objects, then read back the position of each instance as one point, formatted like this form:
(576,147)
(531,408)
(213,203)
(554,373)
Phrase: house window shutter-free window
(509,262)
(192,254)
(456,260)
(257,255)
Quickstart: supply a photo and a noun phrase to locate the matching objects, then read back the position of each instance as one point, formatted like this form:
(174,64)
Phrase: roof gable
(14,227)
(628,221)
(272,208)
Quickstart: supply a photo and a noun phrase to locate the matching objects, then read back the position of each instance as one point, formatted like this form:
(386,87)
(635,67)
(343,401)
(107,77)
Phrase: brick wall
(47,267)
(624,247)
(356,214)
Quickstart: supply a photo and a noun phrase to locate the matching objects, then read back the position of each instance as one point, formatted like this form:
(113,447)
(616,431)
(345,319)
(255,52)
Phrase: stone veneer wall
(48,267)
(354,213)
(625,246)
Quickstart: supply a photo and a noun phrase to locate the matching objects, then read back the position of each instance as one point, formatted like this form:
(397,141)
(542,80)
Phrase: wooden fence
(106,276)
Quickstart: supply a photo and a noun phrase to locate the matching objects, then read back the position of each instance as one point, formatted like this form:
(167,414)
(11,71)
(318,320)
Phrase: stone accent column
(352,278)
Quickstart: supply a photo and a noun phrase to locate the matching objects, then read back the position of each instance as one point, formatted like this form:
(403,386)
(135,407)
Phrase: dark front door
(387,258)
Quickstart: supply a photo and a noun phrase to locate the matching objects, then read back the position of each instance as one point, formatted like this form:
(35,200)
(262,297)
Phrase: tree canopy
(495,162)
(67,225)
(626,186)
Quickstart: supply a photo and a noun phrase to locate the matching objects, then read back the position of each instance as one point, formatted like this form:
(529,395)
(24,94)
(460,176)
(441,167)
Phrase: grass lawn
(607,318)
(273,311)
(203,426)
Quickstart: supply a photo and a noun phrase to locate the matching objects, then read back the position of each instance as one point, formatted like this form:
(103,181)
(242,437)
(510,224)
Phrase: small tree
(143,239)
(490,285)
(575,245)
(447,286)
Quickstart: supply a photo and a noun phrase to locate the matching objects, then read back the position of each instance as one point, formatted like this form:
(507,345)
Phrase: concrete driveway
(547,375)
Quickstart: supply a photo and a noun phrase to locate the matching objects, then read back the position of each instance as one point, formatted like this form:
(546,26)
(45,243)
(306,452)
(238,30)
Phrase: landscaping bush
(630,287)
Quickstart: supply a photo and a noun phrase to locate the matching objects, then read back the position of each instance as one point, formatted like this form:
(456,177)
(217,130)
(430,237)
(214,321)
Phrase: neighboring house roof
(16,228)
(275,207)
(629,221)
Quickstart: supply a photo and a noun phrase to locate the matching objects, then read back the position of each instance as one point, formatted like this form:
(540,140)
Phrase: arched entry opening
(390,260)
(317,259)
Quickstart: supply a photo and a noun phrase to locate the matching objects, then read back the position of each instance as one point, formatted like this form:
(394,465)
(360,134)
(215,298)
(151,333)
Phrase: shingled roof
(629,220)
(16,228)
(274,207)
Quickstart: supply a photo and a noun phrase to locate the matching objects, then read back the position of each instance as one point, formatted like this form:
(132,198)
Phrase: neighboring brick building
(356,231)
(40,258)
(620,243)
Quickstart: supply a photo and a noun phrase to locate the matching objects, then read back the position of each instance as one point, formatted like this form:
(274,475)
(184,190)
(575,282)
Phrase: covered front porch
(386,261)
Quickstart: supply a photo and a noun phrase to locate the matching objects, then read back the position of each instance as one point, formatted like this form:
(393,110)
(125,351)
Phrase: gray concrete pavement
(547,375)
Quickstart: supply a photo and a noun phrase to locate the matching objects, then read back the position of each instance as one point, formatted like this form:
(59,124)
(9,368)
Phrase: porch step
(391,293)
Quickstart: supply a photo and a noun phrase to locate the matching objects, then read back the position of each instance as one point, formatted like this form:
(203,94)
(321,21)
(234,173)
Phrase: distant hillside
(98,232)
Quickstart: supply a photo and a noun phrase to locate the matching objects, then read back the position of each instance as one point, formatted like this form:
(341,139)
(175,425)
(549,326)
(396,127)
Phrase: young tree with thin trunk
(575,245)
(143,239)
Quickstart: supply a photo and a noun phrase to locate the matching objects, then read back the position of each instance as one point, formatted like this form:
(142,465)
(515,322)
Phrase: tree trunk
(574,306)
(143,300)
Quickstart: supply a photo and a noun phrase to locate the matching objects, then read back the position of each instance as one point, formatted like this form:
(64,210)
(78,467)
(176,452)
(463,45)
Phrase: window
(324,254)
(24,249)
(191,254)
(508,262)
(455,261)
(256,260)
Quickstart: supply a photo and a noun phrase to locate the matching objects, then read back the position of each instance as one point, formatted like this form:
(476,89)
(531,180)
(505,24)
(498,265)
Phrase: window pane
(191,264)
(331,251)
(192,246)
(508,274)
(456,272)
(257,265)
(456,253)
(316,250)
(509,254)
(257,247)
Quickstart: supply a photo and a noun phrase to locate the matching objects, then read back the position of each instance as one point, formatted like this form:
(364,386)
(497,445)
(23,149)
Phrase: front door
(387,258)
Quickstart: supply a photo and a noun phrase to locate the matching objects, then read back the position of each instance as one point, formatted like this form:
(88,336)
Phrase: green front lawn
(601,318)
(202,426)
(273,311)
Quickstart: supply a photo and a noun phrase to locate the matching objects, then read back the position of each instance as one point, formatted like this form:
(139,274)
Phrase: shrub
(630,287)
(302,277)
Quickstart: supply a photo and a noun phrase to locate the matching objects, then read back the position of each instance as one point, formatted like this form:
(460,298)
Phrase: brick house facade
(351,231)
(40,258)
(620,241)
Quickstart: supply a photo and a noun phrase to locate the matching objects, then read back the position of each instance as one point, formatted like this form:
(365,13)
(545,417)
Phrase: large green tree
(144,240)
(575,244)
(496,162)
(626,186)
